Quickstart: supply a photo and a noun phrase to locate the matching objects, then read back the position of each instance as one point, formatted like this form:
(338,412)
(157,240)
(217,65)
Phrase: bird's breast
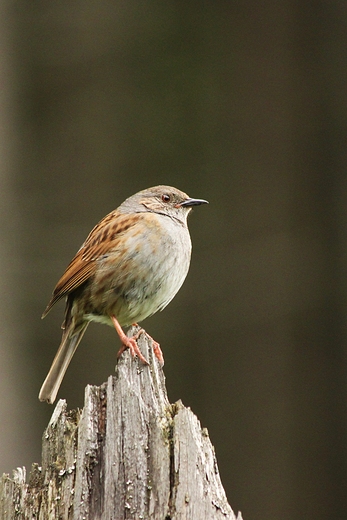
(143,272)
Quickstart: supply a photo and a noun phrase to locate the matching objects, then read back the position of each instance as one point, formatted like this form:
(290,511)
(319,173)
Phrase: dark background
(243,104)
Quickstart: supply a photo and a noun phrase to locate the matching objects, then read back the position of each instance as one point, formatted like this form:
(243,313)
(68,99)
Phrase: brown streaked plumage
(131,265)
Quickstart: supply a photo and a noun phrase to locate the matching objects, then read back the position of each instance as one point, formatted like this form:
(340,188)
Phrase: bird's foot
(129,343)
(157,351)
(155,345)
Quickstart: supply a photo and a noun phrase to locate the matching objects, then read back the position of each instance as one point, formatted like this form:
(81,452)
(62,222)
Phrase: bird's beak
(193,202)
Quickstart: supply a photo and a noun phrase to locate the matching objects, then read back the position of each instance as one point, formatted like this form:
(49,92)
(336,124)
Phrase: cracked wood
(128,454)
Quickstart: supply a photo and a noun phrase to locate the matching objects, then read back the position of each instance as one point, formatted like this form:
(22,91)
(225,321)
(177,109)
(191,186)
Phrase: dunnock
(130,266)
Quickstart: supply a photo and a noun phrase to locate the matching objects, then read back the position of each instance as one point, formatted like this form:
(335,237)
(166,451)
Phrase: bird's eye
(165,197)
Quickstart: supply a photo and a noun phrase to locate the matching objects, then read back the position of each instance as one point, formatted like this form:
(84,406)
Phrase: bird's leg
(129,343)
(155,345)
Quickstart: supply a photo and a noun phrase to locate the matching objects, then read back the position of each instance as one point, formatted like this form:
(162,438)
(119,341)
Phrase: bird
(130,266)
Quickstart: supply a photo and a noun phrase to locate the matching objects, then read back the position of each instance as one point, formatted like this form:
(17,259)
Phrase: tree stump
(128,454)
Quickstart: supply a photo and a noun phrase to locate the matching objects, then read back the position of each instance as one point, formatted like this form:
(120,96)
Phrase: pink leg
(157,351)
(129,343)
(155,345)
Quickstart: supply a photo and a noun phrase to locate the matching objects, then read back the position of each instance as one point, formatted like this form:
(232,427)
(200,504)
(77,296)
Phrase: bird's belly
(140,282)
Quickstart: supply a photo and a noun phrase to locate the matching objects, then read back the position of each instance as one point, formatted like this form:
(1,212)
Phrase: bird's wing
(104,237)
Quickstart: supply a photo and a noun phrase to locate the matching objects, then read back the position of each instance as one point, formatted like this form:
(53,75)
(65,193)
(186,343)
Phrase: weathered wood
(128,454)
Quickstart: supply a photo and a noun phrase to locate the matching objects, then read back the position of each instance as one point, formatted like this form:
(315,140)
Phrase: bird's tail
(66,350)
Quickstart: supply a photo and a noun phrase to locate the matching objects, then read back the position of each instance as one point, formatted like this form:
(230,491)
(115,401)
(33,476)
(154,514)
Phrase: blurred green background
(243,104)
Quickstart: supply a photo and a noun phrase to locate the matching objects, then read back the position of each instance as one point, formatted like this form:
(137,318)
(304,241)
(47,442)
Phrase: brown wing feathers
(103,238)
